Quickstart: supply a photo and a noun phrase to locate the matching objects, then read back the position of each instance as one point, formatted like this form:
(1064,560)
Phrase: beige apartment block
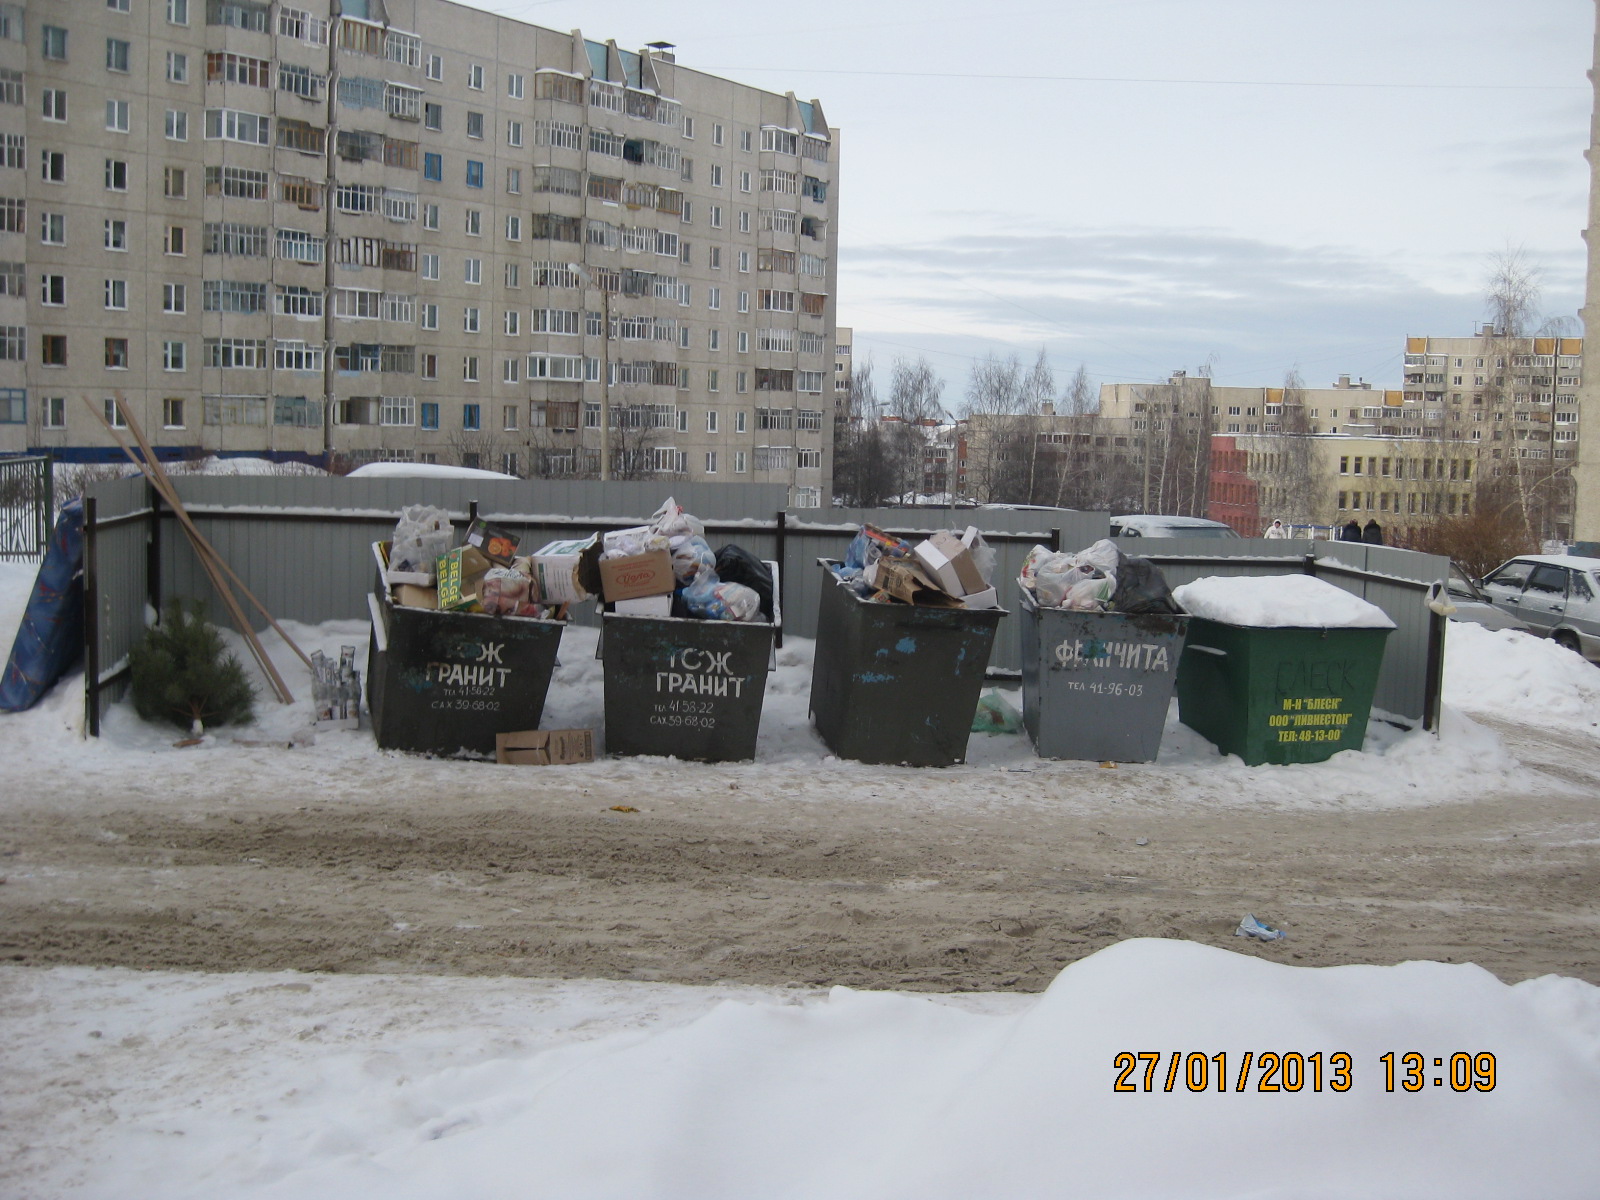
(409,229)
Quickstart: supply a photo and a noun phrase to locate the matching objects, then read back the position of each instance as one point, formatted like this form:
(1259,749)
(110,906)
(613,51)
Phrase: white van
(1144,525)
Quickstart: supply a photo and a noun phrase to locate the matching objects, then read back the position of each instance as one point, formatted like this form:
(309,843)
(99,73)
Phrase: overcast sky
(1141,186)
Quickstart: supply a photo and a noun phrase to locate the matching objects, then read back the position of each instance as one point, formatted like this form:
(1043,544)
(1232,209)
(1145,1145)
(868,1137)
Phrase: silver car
(1469,604)
(1558,595)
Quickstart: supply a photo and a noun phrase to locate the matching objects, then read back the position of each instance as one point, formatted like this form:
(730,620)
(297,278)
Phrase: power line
(1254,83)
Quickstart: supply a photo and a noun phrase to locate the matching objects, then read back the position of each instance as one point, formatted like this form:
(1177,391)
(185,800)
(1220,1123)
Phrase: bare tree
(1038,390)
(914,392)
(863,470)
(1296,491)
(994,399)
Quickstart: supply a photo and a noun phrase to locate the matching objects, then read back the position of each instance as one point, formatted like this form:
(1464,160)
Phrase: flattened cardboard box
(565,570)
(904,581)
(544,747)
(460,573)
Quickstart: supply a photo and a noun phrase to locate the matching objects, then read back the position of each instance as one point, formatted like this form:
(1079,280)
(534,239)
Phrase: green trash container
(445,683)
(1279,695)
(897,683)
(1097,685)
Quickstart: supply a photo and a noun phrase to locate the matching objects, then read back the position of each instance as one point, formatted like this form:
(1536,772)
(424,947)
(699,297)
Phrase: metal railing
(27,505)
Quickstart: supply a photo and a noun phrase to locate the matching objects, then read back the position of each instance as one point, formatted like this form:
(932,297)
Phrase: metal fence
(303,546)
(26,505)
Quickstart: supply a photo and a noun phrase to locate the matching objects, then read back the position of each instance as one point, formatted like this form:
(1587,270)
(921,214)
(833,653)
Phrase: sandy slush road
(876,877)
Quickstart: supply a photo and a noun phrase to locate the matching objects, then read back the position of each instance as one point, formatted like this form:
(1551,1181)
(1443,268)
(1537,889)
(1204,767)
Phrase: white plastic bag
(670,520)
(421,536)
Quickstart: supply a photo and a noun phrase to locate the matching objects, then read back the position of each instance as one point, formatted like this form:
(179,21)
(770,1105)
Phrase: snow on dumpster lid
(405,470)
(1278,602)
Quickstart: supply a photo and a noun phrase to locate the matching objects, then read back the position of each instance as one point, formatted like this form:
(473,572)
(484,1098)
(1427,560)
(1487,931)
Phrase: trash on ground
(996,714)
(1260,930)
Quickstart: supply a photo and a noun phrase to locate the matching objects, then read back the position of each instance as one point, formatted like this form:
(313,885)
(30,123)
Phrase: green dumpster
(1275,693)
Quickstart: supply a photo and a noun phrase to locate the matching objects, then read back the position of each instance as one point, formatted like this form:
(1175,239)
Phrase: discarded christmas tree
(182,673)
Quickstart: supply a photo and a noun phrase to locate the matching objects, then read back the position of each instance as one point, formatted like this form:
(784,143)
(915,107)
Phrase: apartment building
(409,229)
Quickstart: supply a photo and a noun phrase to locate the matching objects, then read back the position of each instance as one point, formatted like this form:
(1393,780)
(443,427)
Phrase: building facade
(395,229)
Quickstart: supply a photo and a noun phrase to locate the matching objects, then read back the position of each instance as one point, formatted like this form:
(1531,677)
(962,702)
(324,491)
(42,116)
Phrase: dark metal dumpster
(897,683)
(682,687)
(1279,695)
(446,682)
(1097,685)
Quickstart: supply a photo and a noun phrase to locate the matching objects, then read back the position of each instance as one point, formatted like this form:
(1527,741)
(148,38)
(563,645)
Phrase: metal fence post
(152,562)
(91,622)
(780,537)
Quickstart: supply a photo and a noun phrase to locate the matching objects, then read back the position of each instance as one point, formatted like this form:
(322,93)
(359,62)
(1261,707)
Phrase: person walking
(1276,530)
(1373,533)
(1350,532)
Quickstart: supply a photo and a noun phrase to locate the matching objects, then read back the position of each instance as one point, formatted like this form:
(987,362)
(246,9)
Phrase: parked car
(1473,607)
(1145,525)
(1558,595)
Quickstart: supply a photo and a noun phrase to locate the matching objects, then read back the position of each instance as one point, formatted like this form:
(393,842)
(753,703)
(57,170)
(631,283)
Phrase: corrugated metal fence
(302,545)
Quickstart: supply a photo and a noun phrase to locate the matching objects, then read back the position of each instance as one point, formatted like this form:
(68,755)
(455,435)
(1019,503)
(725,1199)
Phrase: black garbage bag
(735,564)
(1141,588)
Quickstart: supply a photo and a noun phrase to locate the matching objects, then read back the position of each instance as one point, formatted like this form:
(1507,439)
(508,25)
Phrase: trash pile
(663,568)
(668,569)
(945,570)
(424,568)
(336,690)
(1099,579)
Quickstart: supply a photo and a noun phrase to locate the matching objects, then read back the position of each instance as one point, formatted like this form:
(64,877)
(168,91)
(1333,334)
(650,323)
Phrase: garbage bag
(691,556)
(712,600)
(422,534)
(996,715)
(670,520)
(1141,588)
(735,564)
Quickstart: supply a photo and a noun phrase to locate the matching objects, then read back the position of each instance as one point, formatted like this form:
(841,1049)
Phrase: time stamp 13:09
(1291,1071)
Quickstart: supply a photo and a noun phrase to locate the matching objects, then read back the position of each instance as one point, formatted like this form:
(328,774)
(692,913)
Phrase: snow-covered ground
(143,1084)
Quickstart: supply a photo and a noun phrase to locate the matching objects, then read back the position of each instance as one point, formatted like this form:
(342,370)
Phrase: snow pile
(242,465)
(405,470)
(318,1089)
(1513,674)
(1279,602)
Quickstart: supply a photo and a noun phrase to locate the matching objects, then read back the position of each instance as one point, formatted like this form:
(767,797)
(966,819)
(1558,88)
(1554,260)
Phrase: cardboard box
(565,570)
(409,595)
(988,598)
(498,545)
(544,747)
(903,580)
(946,558)
(380,551)
(644,606)
(460,573)
(637,575)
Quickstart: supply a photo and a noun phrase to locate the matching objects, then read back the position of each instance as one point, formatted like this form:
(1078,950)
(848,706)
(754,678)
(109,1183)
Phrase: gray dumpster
(1097,685)
(897,683)
(446,682)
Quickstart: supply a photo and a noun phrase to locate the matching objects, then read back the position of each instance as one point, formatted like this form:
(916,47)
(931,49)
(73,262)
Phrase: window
(514,133)
(433,166)
(430,266)
(744,186)
(174,297)
(53,43)
(53,350)
(428,414)
(430,316)
(739,462)
(293,301)
(13,343)
(299,246)
(470,319)
(713,339)
(116,231)
(175,240)
(116,354)
(55,104)
(239,14)
(430,216)
(474,173)
(741,385)
(55,412)
(174,356)
(296,356)
(53,166)
(238,183)
(472,270)
(234,125)
(116,293)
(302,26)
(117,52)
(52,226)
(231,238)
(471,416)
(174,183)
(177,125)
(469,369)
(513,275)
(53,290)
(113,413)
(236,353)
(177,14)
(474,222)
(475,77)
(474,124)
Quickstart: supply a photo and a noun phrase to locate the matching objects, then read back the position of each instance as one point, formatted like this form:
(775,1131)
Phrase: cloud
(1136,304)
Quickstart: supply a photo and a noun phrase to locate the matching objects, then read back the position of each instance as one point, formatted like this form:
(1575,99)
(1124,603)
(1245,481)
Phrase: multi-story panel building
(409,229)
